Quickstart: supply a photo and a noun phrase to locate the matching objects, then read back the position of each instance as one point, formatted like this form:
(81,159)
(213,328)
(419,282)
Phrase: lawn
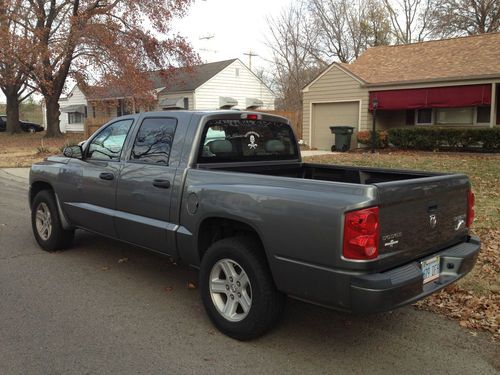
(475,300)
(24,149)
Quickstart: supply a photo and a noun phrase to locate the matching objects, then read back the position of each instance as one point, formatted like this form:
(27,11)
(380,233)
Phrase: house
(450,82)
(217,85)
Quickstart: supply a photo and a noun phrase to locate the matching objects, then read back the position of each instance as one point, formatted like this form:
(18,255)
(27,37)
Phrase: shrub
(465,139)
(381,137)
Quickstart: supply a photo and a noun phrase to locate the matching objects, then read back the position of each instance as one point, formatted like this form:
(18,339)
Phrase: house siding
(227,84)
(334,86)
(175,95)
(75,97)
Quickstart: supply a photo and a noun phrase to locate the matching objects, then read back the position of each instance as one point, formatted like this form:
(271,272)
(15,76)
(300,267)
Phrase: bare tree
(15,46)
(294,66)
(344,29)
(465,17)
(410,19)
(113,38)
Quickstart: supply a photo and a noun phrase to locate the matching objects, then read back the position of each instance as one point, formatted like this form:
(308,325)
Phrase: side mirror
(74,152)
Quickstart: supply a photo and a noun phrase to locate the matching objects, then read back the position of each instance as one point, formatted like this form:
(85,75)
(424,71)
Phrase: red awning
(433,97)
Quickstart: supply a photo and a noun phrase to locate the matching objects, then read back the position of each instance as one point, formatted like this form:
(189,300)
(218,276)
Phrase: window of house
(483,115)
(237,72)
(75,118)
(461,116)
(108,143)
(186,103)
(154,141)
(424,116)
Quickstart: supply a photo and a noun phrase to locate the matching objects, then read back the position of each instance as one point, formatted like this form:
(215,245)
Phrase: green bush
(381,138)
(466,139)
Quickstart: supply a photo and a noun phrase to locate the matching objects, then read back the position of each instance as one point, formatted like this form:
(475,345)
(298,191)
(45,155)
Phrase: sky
(234,27)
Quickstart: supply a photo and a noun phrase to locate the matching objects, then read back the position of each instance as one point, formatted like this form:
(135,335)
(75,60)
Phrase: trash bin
(342,137)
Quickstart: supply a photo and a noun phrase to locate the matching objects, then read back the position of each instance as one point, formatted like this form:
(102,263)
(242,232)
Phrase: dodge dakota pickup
(228,193)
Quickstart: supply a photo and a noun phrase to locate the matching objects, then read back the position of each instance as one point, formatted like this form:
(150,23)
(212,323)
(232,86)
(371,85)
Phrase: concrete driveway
(103,307)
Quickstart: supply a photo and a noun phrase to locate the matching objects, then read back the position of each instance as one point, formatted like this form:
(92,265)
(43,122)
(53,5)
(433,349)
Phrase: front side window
(154,141)
(108,144)
(247,140)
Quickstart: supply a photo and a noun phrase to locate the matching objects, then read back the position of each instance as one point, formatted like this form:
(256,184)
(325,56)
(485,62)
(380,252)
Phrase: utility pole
(250,54)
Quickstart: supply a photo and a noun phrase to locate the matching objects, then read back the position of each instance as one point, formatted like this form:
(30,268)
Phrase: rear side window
(154,141)
(226,141)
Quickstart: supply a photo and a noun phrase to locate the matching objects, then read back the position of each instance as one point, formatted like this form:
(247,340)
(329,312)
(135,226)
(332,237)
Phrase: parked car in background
(28,127)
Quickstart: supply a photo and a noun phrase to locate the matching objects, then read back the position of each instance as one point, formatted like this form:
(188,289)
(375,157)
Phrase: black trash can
(342,137)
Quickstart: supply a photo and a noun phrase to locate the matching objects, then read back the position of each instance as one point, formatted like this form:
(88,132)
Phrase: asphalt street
(103,307)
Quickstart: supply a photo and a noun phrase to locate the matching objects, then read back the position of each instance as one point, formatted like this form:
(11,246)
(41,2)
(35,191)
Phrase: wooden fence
(295,118)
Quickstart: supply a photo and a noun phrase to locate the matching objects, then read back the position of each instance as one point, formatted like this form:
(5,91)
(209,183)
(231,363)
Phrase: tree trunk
(13,125)
(52,116)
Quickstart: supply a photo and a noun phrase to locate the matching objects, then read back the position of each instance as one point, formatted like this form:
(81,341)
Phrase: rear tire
(46,223)
(247,305)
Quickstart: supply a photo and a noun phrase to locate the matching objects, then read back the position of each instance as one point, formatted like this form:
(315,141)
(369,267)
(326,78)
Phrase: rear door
(146,184)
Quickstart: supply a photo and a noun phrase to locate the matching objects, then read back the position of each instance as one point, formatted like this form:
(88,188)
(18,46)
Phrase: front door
(145,186)
(93,201)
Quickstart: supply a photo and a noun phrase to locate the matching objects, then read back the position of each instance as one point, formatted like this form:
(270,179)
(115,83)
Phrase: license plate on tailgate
(430,269)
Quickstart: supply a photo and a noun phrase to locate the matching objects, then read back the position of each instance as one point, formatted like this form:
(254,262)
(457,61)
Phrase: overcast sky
(237,27)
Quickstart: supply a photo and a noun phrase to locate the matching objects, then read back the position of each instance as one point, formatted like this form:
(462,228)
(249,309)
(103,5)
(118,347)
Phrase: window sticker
(252,145)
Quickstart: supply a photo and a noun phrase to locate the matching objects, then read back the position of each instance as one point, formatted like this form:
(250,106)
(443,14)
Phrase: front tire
(237,289)
(46,223)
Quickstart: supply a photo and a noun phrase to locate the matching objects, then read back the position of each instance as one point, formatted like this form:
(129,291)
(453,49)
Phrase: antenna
(250,54)
(206,37)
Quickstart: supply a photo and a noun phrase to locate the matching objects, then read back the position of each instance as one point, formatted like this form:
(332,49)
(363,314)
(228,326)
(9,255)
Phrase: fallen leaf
(104,268)
(191,286)
(168,289)
(122,260)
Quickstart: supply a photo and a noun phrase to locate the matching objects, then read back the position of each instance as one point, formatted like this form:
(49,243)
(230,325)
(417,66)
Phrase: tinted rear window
(226,141)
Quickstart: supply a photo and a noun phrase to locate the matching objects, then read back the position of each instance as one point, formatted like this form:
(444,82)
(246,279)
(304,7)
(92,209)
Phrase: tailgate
(423,215)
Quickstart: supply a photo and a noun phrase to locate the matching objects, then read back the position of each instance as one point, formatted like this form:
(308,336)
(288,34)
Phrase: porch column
(493,110)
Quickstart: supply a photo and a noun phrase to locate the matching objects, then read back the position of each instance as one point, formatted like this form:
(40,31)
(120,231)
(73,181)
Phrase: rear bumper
(403,285)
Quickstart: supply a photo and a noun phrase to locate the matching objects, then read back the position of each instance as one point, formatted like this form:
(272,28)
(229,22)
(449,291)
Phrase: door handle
(107,176)
(162,184)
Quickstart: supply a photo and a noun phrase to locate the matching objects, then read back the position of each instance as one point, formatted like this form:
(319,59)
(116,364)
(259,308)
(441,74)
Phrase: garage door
(325,115)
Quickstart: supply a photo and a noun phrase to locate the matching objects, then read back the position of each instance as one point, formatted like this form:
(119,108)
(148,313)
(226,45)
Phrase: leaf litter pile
(473,301)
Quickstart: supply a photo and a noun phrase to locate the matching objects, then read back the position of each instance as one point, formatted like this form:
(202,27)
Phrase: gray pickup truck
(228,193)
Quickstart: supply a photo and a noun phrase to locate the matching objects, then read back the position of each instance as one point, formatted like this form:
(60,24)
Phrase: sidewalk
(306,153)
(16,173)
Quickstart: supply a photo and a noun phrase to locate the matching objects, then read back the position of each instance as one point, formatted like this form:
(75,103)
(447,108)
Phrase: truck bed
(337,173)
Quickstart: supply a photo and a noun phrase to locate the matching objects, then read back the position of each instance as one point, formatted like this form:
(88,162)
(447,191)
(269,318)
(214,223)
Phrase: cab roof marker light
(251,116)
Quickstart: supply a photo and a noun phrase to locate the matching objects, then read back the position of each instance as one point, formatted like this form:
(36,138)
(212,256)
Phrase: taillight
(470,208)
(361,234)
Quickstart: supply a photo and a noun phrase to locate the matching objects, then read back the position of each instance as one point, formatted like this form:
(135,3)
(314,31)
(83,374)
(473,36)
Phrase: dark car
(28,127)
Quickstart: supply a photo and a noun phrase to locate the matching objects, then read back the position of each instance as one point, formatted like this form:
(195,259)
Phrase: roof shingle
(464,57)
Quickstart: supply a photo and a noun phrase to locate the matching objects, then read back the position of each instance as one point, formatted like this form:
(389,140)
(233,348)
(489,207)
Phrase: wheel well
(37,187)
(215,229)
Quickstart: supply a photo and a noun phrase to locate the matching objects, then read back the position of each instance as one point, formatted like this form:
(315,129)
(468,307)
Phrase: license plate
(430,269)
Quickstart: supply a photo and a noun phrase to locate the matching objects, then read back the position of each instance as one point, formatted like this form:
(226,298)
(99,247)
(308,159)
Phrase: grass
(24,149)
(474,300)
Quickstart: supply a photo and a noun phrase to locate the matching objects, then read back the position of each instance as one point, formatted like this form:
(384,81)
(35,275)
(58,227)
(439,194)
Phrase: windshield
(226,141)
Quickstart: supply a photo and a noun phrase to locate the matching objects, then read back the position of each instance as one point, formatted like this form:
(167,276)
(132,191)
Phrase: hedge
(466,139)
(365,138)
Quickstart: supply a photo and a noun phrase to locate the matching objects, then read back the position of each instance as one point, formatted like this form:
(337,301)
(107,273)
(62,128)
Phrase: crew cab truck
(228,193)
